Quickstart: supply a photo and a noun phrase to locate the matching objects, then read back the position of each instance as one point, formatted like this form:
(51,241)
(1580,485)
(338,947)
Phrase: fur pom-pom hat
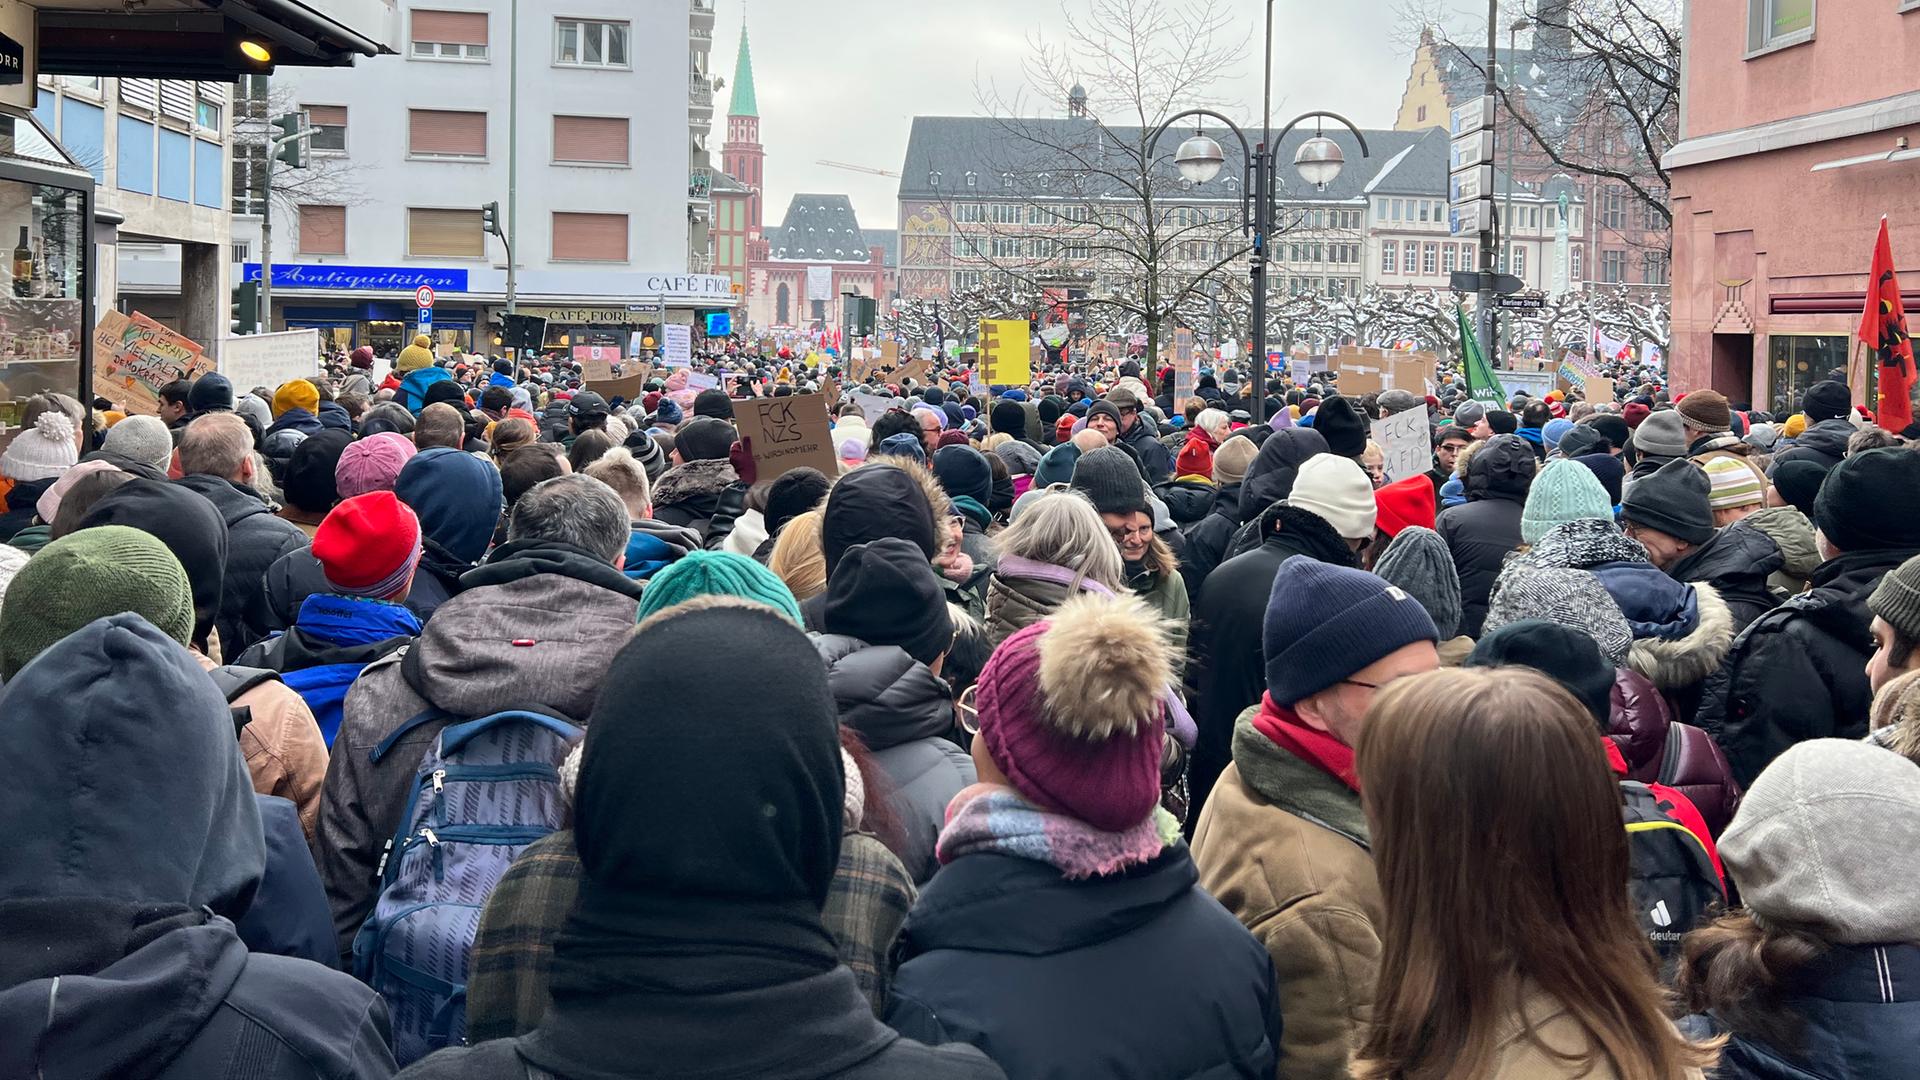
(1072,710)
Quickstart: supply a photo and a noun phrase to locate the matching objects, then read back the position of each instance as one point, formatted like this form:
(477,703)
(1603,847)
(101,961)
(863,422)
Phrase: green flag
(1481,383)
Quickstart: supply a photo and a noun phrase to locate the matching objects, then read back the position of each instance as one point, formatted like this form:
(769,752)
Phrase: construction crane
(858,168)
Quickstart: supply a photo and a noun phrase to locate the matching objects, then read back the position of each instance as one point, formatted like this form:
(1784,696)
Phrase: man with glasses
(1448,441)
(1282,841)
(1140,433)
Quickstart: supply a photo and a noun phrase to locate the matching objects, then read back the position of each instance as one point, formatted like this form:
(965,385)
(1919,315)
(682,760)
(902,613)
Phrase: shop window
(589,237)
(323,230)
(40,304)
(445,234)
(449,35)
(1796,361)
(443,133)
(599,140)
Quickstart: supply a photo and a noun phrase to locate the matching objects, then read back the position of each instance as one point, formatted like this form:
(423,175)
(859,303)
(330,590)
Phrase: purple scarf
(996,818)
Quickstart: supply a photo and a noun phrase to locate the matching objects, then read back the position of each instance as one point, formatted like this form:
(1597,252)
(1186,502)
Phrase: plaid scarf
(992,817)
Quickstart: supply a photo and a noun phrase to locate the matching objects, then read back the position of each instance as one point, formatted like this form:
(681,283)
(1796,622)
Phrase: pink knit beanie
(372,464)
(1071,710)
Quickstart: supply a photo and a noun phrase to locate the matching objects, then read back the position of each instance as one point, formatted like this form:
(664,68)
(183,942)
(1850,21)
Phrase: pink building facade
(1795,127)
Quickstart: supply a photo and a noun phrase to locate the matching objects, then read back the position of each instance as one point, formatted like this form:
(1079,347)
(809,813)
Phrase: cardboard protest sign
(1006,358)
(1184,368)
(1407,442)
(1598,389)
(872,406)
(787,433)
(135,356)
(629,387)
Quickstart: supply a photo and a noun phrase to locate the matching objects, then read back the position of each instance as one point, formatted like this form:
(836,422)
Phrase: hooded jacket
(256,539)
(286,754)
(535,626)
(689,495)
(904,714)
(289,430)
(332,640)
(1824,444)
(1737,563)
(1008,955)
(1792,533)
(21,499)
(1269,479)
(1482,532)
(655,545)
(1155,458)
(1659,749)
(457,497)
(116,954)
(413,388)
(1858,1006)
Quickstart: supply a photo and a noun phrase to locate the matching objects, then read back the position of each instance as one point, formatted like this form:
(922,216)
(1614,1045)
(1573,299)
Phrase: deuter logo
(1659,914)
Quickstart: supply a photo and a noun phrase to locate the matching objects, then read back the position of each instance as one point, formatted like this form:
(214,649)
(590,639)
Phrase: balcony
(699,92)
(702,12)
(699,264)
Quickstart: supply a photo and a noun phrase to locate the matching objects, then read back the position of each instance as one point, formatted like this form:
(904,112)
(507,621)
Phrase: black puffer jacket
(1799,671)
(1736,562)
(1268,480)
(1483,531)
(256,539)
(1824,444)
(1187,500)
(904,713)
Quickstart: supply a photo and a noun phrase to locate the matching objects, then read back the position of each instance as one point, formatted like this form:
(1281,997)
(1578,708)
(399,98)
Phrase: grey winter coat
(534,627)
(256,539)
(1481,533)
(904,714)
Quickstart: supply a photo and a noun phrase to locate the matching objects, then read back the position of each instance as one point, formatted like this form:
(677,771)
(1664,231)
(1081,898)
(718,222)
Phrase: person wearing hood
(1816,975)
(1487,527)
(1328,517)
(417,388)
(1418,562)
(689,494)
(216,461)
(122,954)
(1799,671)
(885,633)
(1062,877)
(878,499)
(296,407)
(532,627)
(457,497)
(1672,513)
(1827,406)
(1283,841)
(645,979)
(43,449)
(1113,484)
(1230,529)
(308,482)
(653,545)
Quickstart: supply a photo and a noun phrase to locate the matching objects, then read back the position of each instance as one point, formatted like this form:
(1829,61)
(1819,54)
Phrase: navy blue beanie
(905,444)
(1325,622)
(962,470)
(456,497)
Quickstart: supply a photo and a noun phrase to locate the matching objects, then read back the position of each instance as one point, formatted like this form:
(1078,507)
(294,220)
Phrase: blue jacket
(1859,1006)
(331,640)
(497,379)
(413,388)
(1136,975)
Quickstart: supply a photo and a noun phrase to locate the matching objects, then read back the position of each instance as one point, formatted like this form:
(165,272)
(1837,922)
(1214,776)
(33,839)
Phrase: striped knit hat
(369,546)
(1735,483)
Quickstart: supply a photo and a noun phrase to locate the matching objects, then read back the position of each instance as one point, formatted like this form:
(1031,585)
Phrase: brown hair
(1503,862)
(511,434)
(1739,967)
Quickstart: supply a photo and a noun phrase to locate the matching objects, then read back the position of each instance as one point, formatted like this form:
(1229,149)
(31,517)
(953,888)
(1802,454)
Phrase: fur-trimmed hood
(1686,659)
(693,480)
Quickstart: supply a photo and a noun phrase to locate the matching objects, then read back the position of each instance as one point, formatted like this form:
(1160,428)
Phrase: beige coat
(285,753)
(1284,847)
(1521,1058)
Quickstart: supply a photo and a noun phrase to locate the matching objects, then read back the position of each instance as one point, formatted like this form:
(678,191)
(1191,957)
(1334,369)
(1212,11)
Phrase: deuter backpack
(1674,884)
(486,789)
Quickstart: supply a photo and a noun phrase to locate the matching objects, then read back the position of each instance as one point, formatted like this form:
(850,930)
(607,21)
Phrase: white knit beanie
(1336,490)
(854,809)
(43,451)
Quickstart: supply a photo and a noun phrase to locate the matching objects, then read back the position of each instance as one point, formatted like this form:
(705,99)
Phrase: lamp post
(1506,213)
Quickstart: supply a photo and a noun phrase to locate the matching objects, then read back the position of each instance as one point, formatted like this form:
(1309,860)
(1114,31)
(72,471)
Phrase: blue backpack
(486,789)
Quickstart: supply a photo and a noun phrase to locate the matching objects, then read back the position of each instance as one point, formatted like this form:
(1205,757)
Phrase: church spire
(744,102)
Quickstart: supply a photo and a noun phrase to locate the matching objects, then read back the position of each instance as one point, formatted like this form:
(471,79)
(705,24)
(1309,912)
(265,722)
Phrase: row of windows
(1333,286)
(463,36)
(437,233)
(1317,252)
(455,133)
(1045,181)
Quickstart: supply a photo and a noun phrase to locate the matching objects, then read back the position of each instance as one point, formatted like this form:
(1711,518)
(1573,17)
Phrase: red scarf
(1315,747)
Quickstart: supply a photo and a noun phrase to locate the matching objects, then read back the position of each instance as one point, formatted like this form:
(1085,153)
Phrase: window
(598,140)
(331,122)
(1613,266)
(449,35)
(1394,213)
(967,279)
(89,83)
(1776,24)
(1577,263)
(1430,258)
(1006,247)
(1079,250)
(973,179)
(1450,259)
(1006,180)
(206,114)
(1423,209)
(933,179)
(1420,115)
(444,133)
(445,234)
(242,251)
(579,43)
(1653,268)
(589,237)
(323,230)
(249,169)
(1389,256)
(971,213)
(1006,213)
(1613,207)
(1519,261)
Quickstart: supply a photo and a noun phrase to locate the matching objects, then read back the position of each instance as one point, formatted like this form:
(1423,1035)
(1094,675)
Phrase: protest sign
(1406,442)
(1006,357)
(697,381)
(629,387)
(269,359)
(678,347)
(1598,390)
(134,356)
(872,406)
(786,433)
(1183,365)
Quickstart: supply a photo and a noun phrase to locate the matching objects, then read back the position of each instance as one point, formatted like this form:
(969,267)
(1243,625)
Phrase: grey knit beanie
(1661,434)
(1110,480)
(1418,561)
(143,438)
(1573,598)
(1825,838)
(1897,599)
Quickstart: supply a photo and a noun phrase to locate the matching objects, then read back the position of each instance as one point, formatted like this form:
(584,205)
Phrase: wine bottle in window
(23,266)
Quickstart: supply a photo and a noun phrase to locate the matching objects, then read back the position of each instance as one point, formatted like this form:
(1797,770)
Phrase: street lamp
(1319,160)
(1199,159)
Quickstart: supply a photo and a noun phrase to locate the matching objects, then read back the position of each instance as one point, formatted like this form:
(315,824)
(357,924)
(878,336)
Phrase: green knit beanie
(1564,491)
(87,575)
(713,573)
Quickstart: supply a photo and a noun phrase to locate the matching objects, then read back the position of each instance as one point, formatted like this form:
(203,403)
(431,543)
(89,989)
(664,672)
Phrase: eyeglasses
(1123,534)
(966,712)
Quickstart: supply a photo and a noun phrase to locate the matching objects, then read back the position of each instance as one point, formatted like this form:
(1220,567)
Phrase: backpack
(235,680)
(1673,884)
(486,789)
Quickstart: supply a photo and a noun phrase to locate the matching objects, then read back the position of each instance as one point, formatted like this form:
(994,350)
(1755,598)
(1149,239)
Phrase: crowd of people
(468,723)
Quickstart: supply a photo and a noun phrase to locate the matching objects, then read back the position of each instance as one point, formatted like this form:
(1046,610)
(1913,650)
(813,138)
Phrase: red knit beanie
(1403,503)
(369,545)
(1196,458)
(1634,412)
(1072,710)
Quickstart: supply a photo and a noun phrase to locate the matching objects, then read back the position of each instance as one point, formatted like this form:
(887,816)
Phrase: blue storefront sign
(408,278)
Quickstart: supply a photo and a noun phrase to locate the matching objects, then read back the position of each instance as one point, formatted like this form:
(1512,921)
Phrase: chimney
(1551,32)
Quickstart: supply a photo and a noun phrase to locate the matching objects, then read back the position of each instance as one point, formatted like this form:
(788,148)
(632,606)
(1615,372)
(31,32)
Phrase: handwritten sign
(135,356)
(1006,356)
(1405,440)
(872,406)
(1183,366)
(1598,389)
(787,433)
(269,359)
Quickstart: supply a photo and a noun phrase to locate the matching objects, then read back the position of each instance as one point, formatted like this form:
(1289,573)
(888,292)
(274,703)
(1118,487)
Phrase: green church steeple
(744,102)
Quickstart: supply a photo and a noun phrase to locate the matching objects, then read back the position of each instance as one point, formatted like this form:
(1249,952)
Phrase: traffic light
(490,218)
(294,150)
(246,307)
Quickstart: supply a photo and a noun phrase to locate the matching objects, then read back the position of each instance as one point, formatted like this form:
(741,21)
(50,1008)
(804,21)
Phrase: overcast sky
(843,81)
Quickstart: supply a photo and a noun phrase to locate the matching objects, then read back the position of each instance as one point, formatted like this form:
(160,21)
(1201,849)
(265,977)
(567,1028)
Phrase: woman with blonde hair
(797,558)
(1510,949)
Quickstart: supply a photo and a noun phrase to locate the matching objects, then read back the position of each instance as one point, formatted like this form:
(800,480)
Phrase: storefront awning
(209,39)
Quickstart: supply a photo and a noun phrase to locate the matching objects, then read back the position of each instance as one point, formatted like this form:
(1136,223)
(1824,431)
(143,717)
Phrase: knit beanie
(1799,483)
(457,497)
(646,450)
(87,575)
(140,438)
(669,412)
(1662,434)
(372,464)
(42,451)
(1580,440)
(1056,465)
(1868,501)
(190,527)
(905,444)
(213,392)
(1633,414)
(1795,426)
(1468,415)
(1230,462)
(793,493)
(1072,710)
(1818,835)
(1554,430)
(704,438)
(1675,500)
(47,507)
(1405,504)
(1009,417)
(1111,481)
(369,546)
(295,394)
(873,501)
(1826,400)
(1897,599)
(964,472)
(1609,470)
(1195,459)
(1021,458)
(921,408)
(1562,595)
(1561,653)
(308,482)
(1339,423)
(1707,410)
(386,417)
(1338,492)
(1419,562)
(1502,422)
(1325,622)
(1564,491)
(717,573)
(1104,408)
(885,592)
(1734,482)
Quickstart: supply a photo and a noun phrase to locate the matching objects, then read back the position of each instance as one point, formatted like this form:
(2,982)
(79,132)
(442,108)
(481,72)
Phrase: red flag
(1883,326)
